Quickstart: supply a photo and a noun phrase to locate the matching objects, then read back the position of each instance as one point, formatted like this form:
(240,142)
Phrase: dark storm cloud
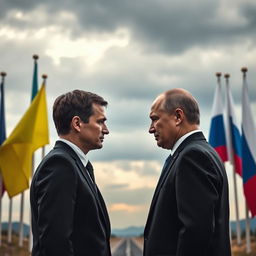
(168,25)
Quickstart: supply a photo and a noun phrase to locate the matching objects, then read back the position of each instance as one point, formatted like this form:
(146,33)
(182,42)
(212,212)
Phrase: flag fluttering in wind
(217,137)
(232,132)
(16,152)
(248,149)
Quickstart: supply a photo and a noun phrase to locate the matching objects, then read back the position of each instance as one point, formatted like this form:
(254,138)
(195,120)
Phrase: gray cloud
(159,25)
(134,197)
(116,186)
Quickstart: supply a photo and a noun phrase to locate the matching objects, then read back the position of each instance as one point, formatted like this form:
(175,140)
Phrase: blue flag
(35,81)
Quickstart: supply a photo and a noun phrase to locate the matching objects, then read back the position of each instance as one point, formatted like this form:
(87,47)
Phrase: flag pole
(9,234)
(247,230)
(30,241)
(10,222)
(3,74)
(238,228)
(44,76)
(247,219)
(218,75)
(34,92)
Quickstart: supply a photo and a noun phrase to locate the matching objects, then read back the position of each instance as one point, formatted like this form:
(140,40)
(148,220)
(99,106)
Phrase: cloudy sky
(128,52)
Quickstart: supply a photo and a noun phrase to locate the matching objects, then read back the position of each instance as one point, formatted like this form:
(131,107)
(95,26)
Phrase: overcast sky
(128,52)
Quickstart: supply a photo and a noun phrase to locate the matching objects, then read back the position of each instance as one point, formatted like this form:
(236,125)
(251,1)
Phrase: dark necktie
(167,163)
(89,168)
(165,167)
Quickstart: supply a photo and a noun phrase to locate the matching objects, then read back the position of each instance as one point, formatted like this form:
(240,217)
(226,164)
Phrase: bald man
(189,213)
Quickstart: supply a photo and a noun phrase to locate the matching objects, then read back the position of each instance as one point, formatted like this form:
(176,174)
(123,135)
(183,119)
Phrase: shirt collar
(181,139)
(82,156)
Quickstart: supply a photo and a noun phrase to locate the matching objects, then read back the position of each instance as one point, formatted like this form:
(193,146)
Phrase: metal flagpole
(9,234)
(30,243)
(43,154)
(247,219)
(10,222)
(21,219)
(231,156)
(34,91)
(3,137)
(247,230)
(35,57)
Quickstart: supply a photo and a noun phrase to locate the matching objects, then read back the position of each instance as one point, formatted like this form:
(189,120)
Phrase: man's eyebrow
(152,116)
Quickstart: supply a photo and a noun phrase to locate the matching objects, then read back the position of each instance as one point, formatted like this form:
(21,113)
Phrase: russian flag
(232,132)
(248,150)
(217,138)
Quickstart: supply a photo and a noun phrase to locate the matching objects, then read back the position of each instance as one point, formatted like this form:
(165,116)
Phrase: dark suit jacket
(69,216)
(189,213)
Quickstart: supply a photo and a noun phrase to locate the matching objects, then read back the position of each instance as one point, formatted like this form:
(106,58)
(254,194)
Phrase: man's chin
(98,146)
(161,145)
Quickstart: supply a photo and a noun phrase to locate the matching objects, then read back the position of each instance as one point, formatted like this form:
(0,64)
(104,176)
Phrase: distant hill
(16,228)
(123,232)
(128,232)
(137,231)
(242,224)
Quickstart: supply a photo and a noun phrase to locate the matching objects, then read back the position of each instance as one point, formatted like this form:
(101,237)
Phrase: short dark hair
(175,99)
(75,103)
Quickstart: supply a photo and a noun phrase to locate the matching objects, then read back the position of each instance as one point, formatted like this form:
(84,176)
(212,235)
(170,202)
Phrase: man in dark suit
(69,216)
(189,213)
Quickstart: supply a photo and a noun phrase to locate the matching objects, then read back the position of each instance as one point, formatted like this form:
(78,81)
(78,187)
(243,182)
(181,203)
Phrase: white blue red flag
(217,137)
(233,134)
(248,151)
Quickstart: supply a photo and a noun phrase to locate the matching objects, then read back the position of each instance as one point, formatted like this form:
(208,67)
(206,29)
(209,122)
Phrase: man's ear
(179,115)
(76,123)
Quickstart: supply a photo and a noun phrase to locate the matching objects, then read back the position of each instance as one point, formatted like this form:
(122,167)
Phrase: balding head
(173,114)
(180,98)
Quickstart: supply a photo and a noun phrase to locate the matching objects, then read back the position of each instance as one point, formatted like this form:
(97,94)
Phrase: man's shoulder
(57,155)
(199,149)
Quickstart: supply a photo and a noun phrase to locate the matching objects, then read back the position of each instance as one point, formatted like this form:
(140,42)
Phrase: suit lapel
(92,186)
(96,193)
(195,136)
(158,188)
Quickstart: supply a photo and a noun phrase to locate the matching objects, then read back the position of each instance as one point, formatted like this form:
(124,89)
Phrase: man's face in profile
(92,133)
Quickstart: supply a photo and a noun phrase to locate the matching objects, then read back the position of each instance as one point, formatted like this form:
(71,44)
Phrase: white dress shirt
(83,157)
(181,139)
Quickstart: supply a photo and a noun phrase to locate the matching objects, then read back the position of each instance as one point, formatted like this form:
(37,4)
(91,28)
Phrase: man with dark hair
(69,216)
(189,213)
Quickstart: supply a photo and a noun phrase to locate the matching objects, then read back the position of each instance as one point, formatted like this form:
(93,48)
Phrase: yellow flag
(16,152)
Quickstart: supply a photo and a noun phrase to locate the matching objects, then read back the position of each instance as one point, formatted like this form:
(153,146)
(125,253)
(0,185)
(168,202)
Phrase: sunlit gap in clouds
(90,48)
(60,43)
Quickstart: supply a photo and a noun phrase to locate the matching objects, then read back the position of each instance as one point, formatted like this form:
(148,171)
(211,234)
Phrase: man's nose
(105,130)
(151,129)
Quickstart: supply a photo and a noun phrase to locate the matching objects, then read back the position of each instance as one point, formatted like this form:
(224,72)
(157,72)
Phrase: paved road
(127,247)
